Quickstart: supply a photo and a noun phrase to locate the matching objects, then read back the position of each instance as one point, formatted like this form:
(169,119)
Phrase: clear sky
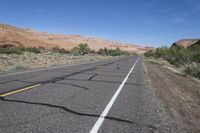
(146,22)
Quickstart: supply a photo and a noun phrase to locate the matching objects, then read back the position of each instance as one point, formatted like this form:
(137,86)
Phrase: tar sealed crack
(92,77)
(76,112)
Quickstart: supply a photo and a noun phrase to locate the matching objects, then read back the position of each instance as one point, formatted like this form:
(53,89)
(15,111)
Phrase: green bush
(93,52)
(149,53)
(115,52)
(103,51)
(179,56)
(195,57)
(126,53)
(112,52)
(75,51)
(176,55)
(15,50)
(193,70)
(11,51)
(63,51)
(33,50)
(84,49)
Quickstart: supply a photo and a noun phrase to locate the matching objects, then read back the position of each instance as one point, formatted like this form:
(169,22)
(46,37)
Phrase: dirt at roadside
(179,98)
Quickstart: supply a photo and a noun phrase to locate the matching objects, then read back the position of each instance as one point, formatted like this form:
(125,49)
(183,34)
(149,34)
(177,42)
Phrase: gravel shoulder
(178,98)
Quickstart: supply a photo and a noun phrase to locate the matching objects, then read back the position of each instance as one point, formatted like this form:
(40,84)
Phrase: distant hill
(186,43)
(11,36)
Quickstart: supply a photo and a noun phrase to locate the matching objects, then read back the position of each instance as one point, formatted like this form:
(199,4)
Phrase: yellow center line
(19,90)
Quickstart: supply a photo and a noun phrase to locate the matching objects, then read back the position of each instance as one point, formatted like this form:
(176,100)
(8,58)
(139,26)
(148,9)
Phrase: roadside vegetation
(15,50)
(84,49)
(113,52)
(17,59)
(186,58)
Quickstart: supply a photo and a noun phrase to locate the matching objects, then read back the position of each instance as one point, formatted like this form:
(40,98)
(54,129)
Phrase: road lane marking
(100,120)
(19,90)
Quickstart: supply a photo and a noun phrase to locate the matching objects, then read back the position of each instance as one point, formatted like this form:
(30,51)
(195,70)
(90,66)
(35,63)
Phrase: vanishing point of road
(103,96)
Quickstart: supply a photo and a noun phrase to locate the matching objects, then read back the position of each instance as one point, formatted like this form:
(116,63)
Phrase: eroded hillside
(13,36)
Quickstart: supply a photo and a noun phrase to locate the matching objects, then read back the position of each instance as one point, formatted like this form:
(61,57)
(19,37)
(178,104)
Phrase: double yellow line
(19,90)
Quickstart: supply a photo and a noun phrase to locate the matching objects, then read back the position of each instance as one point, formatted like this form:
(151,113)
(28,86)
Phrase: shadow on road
(75,112)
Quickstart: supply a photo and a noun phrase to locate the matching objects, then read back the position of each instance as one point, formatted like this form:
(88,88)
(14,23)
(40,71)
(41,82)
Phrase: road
(104,96)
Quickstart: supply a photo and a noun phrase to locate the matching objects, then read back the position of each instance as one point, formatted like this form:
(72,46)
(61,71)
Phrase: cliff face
(17,37)
(185,43)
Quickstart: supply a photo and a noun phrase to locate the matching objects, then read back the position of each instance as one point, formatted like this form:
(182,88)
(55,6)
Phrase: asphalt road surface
(104,96)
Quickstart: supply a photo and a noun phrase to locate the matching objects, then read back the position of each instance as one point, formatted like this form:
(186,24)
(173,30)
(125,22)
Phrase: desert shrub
(11,51)
(180,56)
(126,53)
(194,48)
(177,56)
(103,51)
(84,49)
(174,55)
(75,51)
(63,51)
(115,52)
(196,57)
(112,52)
(33,50)
(193,70)
(157,53)
(149,53)
(16,50)
(160,52)
(93,52)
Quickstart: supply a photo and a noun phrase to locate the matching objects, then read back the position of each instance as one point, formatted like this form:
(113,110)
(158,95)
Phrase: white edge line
(100,120)
(68,65)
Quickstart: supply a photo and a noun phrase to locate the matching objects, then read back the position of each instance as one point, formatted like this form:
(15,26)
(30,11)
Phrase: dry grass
(27,61)
(180,96)
(166,64)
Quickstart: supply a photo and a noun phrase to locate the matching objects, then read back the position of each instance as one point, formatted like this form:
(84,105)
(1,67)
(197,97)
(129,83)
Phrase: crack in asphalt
(106,75)
(60,84)
(56,79)
(118,68)
(65,77)
(74,85)
(104,81)
(99,81)
(92,77)
(108,70)
(61,77)
(77,113)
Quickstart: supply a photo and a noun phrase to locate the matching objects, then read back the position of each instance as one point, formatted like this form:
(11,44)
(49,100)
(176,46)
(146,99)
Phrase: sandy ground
(27,61)
(178,96)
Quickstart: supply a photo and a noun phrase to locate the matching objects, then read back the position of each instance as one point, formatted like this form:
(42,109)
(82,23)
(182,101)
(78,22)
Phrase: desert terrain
(18,37)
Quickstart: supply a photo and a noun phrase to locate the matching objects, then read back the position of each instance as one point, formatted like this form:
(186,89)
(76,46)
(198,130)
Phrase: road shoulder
(178,98)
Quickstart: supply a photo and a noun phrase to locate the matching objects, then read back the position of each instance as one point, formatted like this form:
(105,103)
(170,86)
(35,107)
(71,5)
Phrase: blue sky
(146,22)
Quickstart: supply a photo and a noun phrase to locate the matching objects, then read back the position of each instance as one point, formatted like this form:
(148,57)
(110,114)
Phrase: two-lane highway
(103,96)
